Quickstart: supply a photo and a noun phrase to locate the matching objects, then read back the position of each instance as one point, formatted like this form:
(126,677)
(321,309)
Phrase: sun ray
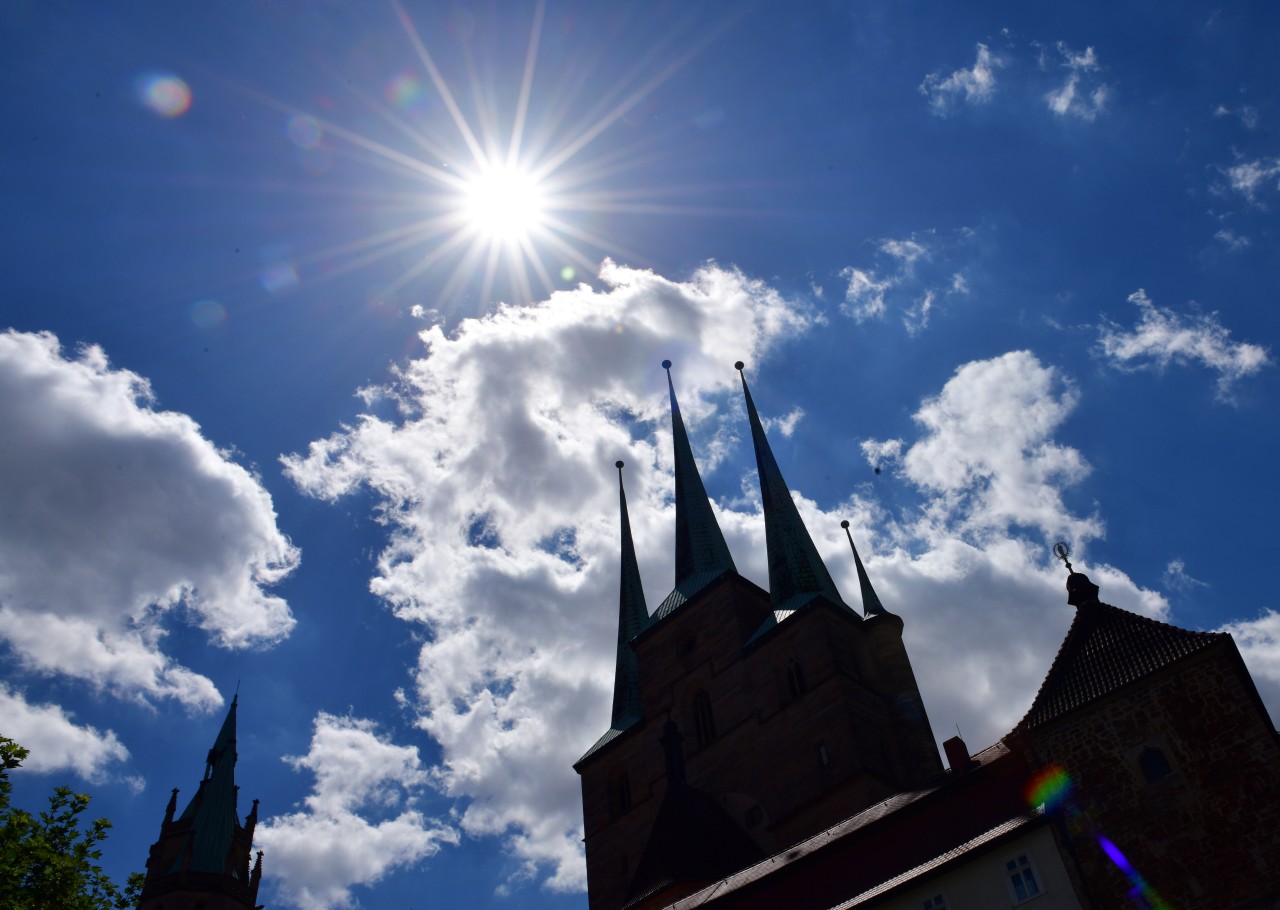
(526,84)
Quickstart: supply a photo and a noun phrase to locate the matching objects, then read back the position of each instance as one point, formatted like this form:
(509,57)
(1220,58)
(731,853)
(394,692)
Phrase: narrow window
(937,902)
(624,792)
(704,724)
(1022,879)
(823,758)
(795,679)
(1154,765)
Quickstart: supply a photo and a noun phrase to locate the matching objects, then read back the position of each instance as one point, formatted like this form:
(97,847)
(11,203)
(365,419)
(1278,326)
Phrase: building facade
(771,749)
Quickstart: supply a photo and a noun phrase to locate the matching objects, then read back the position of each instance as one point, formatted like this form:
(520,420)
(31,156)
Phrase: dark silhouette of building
(201,861)
(1144,775)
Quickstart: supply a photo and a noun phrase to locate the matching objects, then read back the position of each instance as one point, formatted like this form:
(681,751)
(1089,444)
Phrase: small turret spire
(632,616)
(871,605)
(700,546)
(1080,590)
(795,567)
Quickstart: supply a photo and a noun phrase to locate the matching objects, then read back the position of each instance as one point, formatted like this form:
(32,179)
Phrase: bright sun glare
(503,203)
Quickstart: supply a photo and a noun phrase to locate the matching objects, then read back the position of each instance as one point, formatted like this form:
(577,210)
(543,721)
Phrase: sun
(504,204)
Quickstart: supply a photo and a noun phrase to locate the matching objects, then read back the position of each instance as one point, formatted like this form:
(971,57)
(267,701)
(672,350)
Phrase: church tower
(201,861)
(744,720)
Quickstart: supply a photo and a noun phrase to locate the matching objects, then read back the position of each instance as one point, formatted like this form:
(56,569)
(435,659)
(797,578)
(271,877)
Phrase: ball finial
(666,364)
(845,524)
(739,366)
(618,464)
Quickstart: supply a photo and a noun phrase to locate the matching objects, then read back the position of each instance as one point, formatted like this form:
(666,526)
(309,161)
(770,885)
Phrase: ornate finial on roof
(632,616)
(1080,590)
(871,605)
(795,568)
(701,552)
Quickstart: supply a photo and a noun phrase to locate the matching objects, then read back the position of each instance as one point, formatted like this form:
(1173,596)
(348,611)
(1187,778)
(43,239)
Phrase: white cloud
(1081,94)
(1176,577)
(975,85)
(1250,176)
(1259,644)
(786,424)
(1247,115)
(115,516)
(881,452)
(55,741)
(513,424)
(916,318)
(318,854)
(906,251)
(1162,337)
(1232,240)
(864,295)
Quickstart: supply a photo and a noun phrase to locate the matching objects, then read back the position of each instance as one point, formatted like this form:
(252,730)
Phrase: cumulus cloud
(975,85)
(1162,337)
(1248,177)
(119,517)
(319,853)
(1081,95)
(56,742)
(499,490)
(497,487)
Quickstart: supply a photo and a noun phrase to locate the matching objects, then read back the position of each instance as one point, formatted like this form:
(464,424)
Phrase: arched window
(1154,765)
(795,679)
(704,724)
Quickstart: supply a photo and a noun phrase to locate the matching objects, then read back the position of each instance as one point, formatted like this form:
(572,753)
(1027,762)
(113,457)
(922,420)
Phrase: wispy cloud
(975,85)
(1231,240)
(1177,577)
(1246,114)
(918,268)
(1162,337)
(1248,177)
(1081,95)
(116,514)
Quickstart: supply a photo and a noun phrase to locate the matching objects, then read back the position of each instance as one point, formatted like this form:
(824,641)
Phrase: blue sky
(325,324)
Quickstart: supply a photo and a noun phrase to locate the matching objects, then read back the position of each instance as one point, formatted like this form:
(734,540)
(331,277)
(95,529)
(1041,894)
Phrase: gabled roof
(1105,649)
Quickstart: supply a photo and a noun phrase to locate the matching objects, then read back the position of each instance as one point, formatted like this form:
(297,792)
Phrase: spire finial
(871,605)
(1062,550)
(1080,590)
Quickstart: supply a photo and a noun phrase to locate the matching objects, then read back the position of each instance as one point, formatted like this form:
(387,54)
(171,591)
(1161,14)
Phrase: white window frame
(1021,863)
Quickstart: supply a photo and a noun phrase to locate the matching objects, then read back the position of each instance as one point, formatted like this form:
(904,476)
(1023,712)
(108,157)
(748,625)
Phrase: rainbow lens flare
(163,94)
(1050,788)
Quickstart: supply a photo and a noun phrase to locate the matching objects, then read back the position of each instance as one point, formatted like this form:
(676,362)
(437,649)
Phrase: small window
(795,679)
(1154,765)
(937,902)
(1023,883)
(704,725)
(823,758)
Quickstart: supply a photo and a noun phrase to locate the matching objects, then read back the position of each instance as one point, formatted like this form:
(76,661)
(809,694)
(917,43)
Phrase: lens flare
(163,93)
(207,314)
(303,131)
(1050,788)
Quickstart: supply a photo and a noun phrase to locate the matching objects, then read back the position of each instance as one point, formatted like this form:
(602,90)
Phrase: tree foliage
(48,861)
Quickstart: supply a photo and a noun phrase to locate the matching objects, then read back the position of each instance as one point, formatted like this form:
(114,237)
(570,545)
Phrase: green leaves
(49,862)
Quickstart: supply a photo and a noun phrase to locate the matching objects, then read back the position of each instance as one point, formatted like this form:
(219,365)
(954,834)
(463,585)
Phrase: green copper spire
(871,605)
(213,808)
(700,546)
(632,617)
(795,568)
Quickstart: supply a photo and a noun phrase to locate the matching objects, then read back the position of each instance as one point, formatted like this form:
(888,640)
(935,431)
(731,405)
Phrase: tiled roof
(684,592)
(1106,649)
(610,735)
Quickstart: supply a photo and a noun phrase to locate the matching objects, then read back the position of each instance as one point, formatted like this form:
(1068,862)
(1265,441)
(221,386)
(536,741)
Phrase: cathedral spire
(632,617)
(213,811)
(700,547)
(871,605)
(795,568)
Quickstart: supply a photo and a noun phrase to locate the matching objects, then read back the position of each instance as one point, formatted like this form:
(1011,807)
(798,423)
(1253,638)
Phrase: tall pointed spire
(632,617)
(795,568)
(213,810)
(871,605)
(700,546)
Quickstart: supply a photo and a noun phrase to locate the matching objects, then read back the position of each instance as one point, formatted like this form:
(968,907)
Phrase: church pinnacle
(632,617)
(871,605)
(795,568)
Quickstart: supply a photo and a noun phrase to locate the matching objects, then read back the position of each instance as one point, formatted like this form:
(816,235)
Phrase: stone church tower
(201,861)
(743,720)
